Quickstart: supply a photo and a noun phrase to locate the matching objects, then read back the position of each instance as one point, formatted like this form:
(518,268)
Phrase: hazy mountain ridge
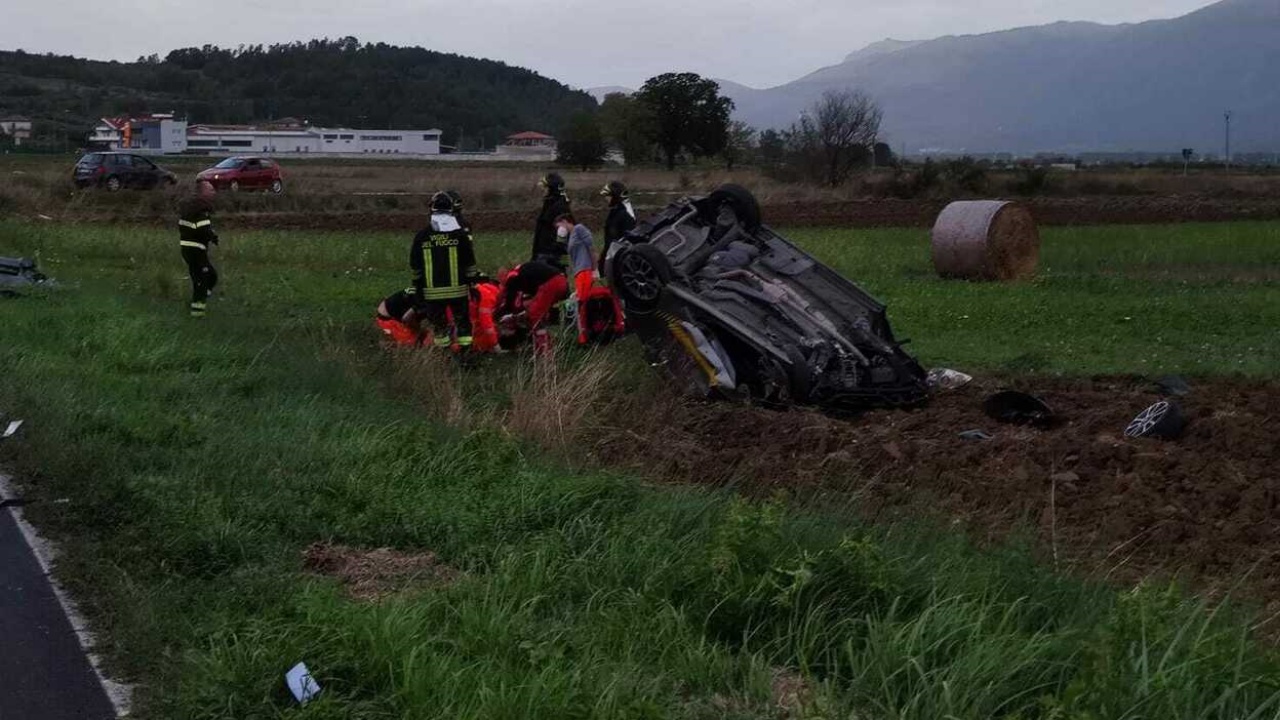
(1157,85)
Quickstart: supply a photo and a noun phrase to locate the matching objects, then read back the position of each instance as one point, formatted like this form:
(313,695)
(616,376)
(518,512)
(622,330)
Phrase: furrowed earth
(1204,507)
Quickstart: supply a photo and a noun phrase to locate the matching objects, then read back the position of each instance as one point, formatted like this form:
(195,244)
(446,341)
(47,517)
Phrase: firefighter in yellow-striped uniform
(444,264)
(195,235)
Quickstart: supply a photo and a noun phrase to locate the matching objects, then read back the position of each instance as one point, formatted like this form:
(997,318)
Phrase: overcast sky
(584,43)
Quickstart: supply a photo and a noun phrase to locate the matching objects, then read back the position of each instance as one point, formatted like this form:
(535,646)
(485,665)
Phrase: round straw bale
(985,240)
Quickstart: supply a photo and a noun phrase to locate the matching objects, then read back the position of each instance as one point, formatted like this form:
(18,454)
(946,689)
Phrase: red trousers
(549,294)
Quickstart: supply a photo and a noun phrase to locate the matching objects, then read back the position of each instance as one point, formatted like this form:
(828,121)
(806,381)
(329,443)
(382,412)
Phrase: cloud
(580,42)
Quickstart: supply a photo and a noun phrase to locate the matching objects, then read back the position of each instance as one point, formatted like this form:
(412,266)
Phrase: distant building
(156,133)
(528,145)
(293,137)
(16,127)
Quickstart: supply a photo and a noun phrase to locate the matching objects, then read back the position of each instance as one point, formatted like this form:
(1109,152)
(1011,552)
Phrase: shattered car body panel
(20,274)
(732,309)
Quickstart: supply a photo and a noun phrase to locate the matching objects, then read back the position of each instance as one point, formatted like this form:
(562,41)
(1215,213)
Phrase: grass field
(199,459)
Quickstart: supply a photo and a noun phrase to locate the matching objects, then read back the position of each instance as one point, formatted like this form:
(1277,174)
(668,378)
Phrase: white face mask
(562,231)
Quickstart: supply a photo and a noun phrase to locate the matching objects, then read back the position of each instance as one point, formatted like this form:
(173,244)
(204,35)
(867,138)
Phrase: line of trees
(683,117)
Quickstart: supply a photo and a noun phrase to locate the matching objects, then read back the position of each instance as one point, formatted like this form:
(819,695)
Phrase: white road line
(120,695)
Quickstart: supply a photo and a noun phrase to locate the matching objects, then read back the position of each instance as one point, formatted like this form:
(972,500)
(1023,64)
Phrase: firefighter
(195,235)
(530,293)
(398,318)
(457,208)
(621,217)
(443,261)
(547,247)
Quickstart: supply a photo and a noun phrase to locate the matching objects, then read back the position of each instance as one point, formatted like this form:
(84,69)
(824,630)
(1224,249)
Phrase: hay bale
(985,240)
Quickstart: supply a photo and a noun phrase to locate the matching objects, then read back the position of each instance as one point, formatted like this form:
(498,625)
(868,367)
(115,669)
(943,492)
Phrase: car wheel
(1163,420)
(640,272)
(741,200)
(235,186)
(112,183)
(277,186)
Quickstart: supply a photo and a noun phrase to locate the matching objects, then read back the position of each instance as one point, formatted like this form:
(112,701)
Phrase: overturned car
(731,309)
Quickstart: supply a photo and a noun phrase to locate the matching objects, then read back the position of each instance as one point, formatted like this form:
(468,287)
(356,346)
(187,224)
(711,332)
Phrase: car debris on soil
(1220,477)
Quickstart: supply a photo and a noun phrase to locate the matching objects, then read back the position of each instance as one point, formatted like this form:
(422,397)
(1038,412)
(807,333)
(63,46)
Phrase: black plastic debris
(1173,385)
(19,274)
(1019,408)
(1162,420)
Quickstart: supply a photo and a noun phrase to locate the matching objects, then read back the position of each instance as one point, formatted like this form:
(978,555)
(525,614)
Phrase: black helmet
(443,202)
(553,183)
(456,197)
(615,190)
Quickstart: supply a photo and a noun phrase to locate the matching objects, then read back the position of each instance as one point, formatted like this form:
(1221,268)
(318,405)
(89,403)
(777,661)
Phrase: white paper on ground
(13,428)
(301,684)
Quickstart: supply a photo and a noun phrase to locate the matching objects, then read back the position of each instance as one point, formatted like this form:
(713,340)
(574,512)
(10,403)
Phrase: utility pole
(1227,117)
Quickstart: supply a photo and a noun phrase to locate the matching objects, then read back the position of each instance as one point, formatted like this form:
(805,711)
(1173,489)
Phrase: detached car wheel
(741,200)
(112,184)
(235,186)
(277,187)
(1162,420)
(640,272)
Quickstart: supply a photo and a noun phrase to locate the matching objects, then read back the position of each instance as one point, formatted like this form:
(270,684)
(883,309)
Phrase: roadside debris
(1019,408)
(301,684)
(20,274)
(12,428)
(976,434)
(943,379)
(1162,420)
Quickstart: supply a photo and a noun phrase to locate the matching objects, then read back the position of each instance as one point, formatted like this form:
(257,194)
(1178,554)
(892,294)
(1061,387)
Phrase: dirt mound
(371,575)
(1205,506)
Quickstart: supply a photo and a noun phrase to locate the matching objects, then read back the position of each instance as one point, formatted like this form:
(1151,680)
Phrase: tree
(739,142)
(689,115)
(626,125)
(836,135)
(884,155)
(772,147)
(581,143)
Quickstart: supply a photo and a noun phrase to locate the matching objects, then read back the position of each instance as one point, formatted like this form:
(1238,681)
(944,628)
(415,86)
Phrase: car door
(251,174)
(122,169)
(144,172)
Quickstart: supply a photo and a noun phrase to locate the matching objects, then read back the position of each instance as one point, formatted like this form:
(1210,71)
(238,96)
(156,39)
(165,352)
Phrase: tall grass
(194,462)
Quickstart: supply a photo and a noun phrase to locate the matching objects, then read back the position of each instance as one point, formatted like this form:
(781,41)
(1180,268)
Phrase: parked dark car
(729,308)
(245,173)
(116,170)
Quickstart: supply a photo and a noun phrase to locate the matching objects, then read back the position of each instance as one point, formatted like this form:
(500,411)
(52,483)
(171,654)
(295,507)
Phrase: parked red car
(245,173)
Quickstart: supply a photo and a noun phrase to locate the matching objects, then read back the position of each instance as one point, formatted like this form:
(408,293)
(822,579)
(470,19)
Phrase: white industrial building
(305,139)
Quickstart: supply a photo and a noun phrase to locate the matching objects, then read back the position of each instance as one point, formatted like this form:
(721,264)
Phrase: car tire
(112,184)
(234,186)
(743,202)
(277,186)
(639,273)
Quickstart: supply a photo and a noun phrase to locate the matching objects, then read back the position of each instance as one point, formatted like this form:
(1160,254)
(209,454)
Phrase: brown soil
(1090,210)
(1206,507)
(371,575)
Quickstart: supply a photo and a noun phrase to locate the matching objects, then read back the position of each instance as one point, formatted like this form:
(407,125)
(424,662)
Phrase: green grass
(198,459)
(1198,299)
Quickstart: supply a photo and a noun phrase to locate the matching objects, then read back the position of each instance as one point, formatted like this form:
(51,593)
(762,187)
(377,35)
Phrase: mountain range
(1070,86)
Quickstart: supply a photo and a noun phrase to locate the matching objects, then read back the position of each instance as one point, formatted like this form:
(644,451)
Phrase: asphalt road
(44,673)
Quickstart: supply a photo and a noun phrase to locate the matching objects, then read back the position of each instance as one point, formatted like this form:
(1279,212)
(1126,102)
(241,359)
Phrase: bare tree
(836,135)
